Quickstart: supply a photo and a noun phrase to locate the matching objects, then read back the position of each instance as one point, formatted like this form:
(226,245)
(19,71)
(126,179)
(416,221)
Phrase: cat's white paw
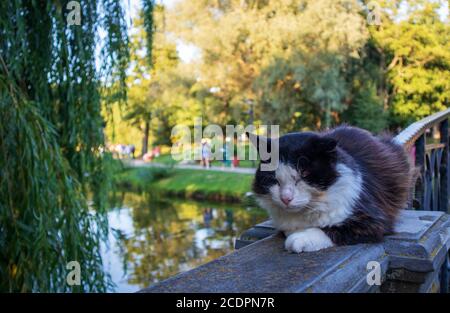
(311,239)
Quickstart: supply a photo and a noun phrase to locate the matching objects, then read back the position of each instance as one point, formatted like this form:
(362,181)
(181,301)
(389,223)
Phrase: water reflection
(153,240)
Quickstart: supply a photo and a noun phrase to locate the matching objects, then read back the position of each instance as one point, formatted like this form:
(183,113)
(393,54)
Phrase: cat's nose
(286,199)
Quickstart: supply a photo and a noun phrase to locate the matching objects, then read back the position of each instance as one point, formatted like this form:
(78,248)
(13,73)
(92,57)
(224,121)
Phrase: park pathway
(140,163)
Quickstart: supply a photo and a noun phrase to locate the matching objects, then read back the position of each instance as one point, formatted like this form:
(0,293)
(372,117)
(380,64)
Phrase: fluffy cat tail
(414,173)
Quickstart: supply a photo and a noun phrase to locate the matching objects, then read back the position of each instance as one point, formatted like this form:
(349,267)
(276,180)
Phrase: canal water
(151,240)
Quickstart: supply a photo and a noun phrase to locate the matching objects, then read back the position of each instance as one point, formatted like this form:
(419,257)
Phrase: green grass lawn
(197,184)
(165,159)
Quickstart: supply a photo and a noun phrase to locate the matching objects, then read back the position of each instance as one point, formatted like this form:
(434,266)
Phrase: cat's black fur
(383,165)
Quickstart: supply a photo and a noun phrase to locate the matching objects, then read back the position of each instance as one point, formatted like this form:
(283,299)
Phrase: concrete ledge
(410,261)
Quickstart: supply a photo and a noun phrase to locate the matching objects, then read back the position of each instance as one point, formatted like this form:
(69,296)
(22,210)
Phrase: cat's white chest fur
(302,226)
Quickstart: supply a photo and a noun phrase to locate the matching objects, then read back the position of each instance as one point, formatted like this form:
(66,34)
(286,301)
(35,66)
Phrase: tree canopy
(303,64)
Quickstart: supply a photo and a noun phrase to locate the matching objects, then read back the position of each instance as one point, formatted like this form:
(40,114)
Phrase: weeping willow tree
(54,78)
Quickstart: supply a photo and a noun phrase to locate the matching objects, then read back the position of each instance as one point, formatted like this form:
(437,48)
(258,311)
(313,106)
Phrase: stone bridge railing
(415,259)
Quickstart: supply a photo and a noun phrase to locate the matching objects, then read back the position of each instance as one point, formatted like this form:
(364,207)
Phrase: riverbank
(186,183)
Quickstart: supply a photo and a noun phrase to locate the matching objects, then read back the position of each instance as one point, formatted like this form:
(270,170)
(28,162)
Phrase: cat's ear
(261,143)
(327,145)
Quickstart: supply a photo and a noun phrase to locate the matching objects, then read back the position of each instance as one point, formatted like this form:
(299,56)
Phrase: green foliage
(147,109)
(301,64)
(287,56)
(301,92)
(119,130)
(115,52)
(149,25)
(365,106)
(313,64)
(417,62)
(45,221)
(367,111)
(304,65)
(51,139)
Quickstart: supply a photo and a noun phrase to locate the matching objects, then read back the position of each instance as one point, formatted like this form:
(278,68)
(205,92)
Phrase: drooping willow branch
(52,88)
(148,8)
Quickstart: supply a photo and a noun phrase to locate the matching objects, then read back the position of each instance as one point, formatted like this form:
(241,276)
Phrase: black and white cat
(340,187)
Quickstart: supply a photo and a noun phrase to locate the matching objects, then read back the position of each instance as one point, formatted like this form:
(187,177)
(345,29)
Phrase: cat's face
(306,169)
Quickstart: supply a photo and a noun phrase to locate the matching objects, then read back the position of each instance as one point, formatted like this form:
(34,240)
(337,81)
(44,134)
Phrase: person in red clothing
(235,161)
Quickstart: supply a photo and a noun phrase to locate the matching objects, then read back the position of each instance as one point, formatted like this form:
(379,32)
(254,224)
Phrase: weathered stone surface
(410,262)
(417,251)
(429,284)
(421,241)
(266,267)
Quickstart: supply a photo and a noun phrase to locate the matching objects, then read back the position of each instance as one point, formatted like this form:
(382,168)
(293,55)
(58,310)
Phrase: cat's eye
(302,161)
